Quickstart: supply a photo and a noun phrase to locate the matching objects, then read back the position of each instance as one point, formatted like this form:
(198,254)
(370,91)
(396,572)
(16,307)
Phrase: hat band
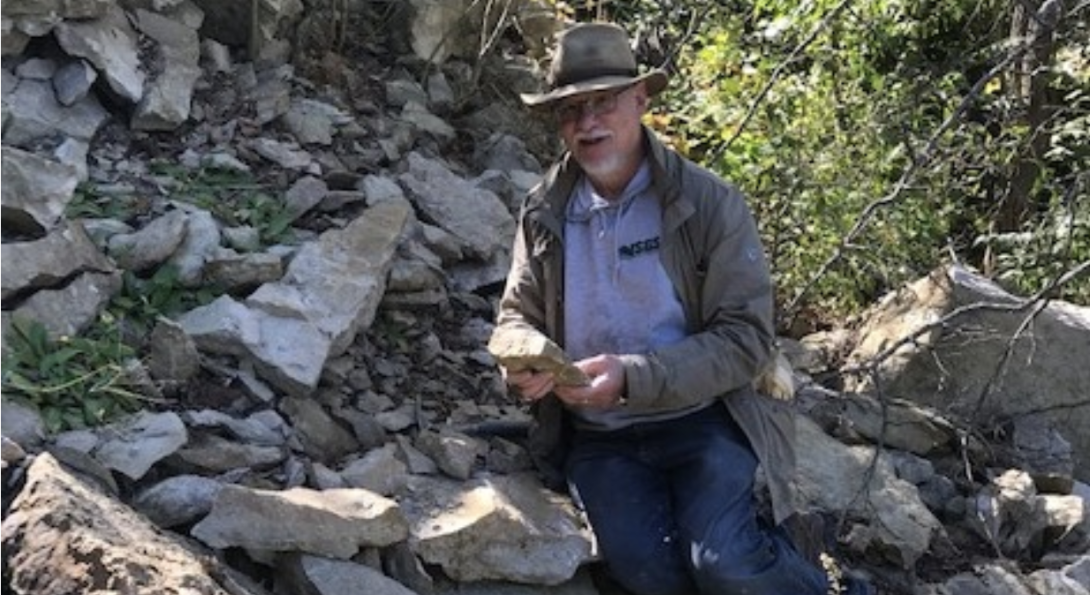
(577,76)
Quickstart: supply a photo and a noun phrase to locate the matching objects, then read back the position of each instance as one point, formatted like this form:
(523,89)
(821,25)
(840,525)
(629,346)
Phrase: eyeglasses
(599,105)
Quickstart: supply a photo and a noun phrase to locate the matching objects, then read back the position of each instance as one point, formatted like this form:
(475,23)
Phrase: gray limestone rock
(33,113)
(178,500)
(323,576)
(68,310)
(73,81)
(35,192)
(64,535)
(132,445)
(166,100)
(152,244)
(111,44)
(46,263)
(22,424)
(334,523)
(504,528)
(519,349)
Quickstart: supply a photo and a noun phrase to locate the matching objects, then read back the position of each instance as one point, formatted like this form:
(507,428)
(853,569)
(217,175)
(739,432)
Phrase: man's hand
(606,387)
(530,385)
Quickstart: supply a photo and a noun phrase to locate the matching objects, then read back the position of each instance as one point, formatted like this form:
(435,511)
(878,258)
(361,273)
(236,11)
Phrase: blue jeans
(672,506)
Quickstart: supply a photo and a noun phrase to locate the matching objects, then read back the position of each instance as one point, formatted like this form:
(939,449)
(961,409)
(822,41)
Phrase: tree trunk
(1033,22)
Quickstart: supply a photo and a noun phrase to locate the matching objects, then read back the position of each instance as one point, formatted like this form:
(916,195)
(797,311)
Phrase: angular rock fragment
(518,349)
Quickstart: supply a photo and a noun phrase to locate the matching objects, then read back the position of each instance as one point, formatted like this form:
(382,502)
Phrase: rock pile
(323,416)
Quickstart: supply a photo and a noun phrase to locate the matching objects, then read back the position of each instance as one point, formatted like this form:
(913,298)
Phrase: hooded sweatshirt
(618,295)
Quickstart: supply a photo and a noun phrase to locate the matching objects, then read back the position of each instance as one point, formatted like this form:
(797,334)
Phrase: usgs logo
(638,247)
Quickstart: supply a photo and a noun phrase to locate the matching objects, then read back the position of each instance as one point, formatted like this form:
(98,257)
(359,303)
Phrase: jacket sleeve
(522,302)
(733,334)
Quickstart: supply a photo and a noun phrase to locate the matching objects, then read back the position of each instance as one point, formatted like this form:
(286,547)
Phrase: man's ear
(642,99)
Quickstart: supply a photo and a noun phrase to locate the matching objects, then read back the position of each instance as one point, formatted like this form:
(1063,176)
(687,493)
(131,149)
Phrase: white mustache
(592,136)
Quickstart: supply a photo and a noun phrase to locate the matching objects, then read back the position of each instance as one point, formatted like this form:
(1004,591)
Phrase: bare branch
(828,18)
(694,23)
(1008,350)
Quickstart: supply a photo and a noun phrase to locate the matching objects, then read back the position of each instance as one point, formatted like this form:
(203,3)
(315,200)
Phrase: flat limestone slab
(524,348)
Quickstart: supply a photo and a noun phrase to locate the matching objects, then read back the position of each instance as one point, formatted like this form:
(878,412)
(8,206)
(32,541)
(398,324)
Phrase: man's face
(602,129)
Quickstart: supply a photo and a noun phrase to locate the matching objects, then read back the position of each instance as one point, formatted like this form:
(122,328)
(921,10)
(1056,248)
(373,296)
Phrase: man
(649,272)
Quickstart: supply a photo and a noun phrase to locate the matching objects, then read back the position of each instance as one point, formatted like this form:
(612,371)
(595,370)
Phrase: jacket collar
(548,202)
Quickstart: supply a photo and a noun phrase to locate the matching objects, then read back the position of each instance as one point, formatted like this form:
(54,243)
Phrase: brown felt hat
(593,57)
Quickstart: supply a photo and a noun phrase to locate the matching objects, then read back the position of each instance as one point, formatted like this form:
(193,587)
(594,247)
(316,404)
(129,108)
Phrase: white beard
(604,168)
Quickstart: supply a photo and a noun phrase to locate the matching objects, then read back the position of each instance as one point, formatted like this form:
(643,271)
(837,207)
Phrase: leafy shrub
(870,143)
(74,381)
(1030,260)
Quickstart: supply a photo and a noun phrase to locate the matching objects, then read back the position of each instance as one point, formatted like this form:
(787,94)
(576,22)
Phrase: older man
(649,271)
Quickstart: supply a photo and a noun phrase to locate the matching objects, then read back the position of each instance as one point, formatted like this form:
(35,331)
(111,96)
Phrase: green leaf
(57,359)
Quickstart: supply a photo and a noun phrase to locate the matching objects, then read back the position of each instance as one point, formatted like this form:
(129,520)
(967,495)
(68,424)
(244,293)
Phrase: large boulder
(65,535)
(995,357)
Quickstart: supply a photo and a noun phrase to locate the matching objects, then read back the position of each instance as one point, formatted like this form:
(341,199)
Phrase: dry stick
(1000,366)
(1008,350)
(872,467)
(446,37)
(488,40)
(828,18)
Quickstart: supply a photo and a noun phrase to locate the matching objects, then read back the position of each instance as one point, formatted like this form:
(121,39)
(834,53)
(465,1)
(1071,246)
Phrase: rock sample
(520,348)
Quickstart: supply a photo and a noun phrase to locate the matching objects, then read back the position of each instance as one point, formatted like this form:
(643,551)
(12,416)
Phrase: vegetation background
(878,139)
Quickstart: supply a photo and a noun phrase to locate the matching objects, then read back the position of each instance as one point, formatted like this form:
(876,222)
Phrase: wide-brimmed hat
(593,57)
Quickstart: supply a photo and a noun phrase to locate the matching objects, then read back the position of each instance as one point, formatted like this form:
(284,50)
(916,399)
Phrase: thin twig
(828,18)
(872,466)
(1008,351)
(690,31)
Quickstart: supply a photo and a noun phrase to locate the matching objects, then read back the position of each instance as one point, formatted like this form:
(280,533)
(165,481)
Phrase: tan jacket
(712,253)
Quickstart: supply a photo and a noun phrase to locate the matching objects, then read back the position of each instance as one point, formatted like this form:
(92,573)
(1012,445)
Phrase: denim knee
(647,571)
(773,568)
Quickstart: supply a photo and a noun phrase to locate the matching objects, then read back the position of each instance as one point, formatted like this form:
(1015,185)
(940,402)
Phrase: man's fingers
(531,386)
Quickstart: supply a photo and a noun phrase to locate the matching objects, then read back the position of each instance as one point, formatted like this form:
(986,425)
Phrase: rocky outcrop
(67,536)
(327,417)
(995,357)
